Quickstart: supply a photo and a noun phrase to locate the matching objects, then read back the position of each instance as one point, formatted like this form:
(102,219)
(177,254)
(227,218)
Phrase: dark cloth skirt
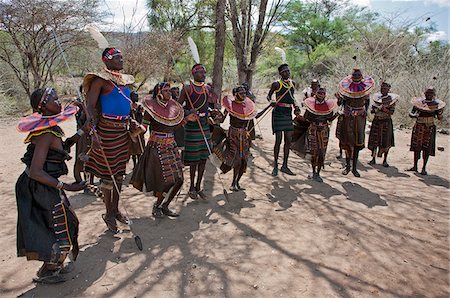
(236,151)
(195,148)
(350,131)
(282,119)
(115,140)
(159,168)
(299,137)
(251,128)
(317,141)
(381,135)
(423,138)
(47,229)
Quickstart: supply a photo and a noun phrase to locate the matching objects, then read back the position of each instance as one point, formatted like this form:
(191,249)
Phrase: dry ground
(385,234)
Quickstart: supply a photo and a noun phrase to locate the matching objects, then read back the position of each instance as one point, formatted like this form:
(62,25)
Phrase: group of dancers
(47,227)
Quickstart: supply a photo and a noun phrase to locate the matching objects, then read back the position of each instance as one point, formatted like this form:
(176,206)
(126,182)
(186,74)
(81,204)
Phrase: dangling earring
(160,97)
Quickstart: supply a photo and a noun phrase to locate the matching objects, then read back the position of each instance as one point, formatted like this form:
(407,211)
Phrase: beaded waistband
(114,117)
(161,137)
(426,120)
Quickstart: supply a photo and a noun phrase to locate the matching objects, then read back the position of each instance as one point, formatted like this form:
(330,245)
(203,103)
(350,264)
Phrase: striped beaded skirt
(115,140)
(195,148)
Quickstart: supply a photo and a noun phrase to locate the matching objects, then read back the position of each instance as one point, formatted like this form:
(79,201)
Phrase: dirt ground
(385,234)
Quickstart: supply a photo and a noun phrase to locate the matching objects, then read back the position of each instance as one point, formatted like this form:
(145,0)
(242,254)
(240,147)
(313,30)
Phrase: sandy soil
(385,234)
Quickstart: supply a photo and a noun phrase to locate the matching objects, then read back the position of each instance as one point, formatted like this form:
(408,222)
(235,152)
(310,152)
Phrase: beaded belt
(161,137)
(114,122)
(426,120)
(382,116)
(350,111)
(114,117)
(321,124)
(284,105)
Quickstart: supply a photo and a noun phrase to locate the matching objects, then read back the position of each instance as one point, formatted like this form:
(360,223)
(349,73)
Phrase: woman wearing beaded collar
(47,228)
(423,138)
(241,110)
(160,169)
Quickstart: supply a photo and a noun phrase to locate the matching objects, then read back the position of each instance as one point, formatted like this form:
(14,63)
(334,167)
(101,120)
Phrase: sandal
(157,212)
(193,194)
(234,188)
(110,223)
(67,268)
(239,186)
(286,170)
(122,218)
(168,212)
(50,277)
(202,195)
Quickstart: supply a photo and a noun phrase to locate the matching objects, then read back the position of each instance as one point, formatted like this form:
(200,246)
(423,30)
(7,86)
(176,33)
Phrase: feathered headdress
(194,50)
(282,54)
(98,37)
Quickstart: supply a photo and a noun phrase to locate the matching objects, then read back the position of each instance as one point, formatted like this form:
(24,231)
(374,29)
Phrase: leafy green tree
(320,23)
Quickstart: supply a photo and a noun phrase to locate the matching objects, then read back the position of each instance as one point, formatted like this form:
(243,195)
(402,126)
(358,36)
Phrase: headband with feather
(98,37)
(194,50)
(282,54)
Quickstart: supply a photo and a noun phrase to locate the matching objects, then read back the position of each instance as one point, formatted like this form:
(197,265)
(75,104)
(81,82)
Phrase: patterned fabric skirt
(423,138)
(282,119)
(350,131)
(47,228)
(159,168)
(381,135)
(195,148)
(237,150)
(317,142)
(115,144)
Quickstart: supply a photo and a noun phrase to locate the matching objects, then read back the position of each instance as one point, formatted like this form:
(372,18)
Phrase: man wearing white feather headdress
(282,116)
(108,103)
(195,96)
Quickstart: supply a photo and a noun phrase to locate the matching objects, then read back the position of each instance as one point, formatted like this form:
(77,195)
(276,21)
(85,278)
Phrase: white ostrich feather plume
(98,37)
(194,50)
(282,53)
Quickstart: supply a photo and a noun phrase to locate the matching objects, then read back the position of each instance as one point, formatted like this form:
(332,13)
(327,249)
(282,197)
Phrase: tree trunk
(217,78)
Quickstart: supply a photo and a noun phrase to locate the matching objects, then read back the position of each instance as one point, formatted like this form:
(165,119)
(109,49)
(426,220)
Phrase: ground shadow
(433,180)
(283,195)
(359,194)
(390,171)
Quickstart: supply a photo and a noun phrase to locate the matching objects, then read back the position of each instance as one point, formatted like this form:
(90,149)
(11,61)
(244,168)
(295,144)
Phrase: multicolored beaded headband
(111,53)
(198,68)
(44,97)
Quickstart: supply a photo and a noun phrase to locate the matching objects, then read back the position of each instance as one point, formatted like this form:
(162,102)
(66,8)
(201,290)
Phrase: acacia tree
(248,35)
(27,42)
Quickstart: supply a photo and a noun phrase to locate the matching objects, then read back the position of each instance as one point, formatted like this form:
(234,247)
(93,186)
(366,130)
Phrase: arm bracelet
(60,185)
(80,132)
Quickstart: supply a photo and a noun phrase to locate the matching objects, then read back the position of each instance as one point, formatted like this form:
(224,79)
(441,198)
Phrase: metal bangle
(80,132)
(60,185)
